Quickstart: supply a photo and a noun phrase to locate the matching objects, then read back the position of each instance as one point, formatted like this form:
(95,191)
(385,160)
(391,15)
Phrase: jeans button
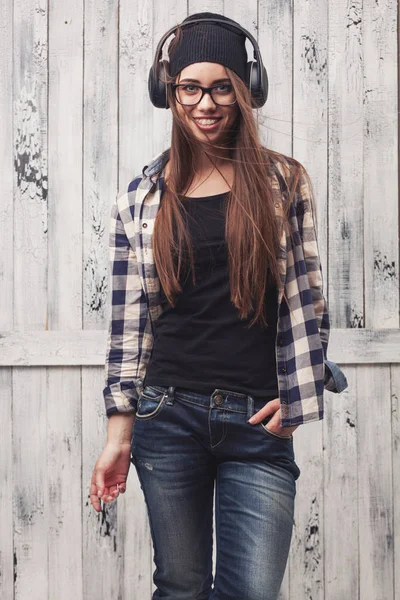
(218,399)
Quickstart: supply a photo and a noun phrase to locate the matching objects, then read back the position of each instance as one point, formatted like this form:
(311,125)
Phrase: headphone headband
(256,49)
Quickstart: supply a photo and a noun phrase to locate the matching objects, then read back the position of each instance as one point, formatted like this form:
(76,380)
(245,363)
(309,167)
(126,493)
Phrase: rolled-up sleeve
(125,330)
(335,380)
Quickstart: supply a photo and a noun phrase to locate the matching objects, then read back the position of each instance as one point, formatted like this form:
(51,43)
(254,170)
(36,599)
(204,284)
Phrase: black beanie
(210,42)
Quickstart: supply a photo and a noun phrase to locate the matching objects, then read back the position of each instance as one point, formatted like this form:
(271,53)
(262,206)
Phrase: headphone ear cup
(156,84)
(257,81)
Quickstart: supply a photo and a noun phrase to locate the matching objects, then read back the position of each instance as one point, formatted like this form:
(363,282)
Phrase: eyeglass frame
(204,90)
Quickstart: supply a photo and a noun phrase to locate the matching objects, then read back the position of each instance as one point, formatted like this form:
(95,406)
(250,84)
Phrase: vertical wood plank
(6,491)
(345,163)
(310,94)
(344,281)
(381,201)
(135,112)
(395,399)
(274,35)
(64,461)
(65,296)
(136,123)
(30,497)
(30,500)
(104,564)
(375,482)
(6,279)
(100,184)
(341,548)
(275,41)
(100,153)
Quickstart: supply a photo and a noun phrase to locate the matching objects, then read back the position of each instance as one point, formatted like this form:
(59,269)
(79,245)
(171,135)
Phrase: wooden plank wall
(76,125)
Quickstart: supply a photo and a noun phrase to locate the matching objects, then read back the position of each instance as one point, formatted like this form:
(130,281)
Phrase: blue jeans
(183,441)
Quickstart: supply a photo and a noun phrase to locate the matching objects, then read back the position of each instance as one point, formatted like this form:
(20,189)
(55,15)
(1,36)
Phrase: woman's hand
(272,407)
(110,473)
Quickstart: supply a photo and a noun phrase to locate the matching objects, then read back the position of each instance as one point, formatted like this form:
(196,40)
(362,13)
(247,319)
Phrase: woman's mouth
(207,124)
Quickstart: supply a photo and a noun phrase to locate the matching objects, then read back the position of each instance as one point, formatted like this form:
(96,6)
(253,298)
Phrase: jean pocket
(283,438)
(150,403)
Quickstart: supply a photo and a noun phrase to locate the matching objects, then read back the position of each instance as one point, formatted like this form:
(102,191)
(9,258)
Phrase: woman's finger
(94,499)
(271,407)
(99,480)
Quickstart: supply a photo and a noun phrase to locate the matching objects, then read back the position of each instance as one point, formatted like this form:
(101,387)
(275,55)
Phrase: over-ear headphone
(256,73)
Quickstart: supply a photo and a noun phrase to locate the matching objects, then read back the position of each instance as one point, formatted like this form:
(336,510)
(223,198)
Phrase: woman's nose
(207,101)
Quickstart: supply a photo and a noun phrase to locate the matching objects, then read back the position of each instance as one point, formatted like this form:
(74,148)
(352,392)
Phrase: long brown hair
(252,231)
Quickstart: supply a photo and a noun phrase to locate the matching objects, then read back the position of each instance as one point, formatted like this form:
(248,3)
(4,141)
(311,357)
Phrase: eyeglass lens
(191,94)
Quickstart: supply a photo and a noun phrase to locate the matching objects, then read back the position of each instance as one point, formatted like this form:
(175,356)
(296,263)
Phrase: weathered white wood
(395,398)
(63,393)
(136,148)
(100,153)
(310,95)
(135,112)
(274,36)
(275,42)
(381,199)
(64,463)
(340,493)
(30,484)
(29,251)
(345,162)
(7,487)
(55,312)
(100,185)
(6,312)
(375,482)
(88,347)
(7,172)
(344,281)
(102,552)
(53,348)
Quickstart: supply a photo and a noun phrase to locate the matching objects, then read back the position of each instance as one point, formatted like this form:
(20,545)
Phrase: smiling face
(199,116)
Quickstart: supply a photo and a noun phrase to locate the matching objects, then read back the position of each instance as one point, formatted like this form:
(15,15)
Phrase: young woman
(218,316)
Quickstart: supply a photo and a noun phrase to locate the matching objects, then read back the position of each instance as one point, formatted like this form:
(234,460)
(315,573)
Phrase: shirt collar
(156,166)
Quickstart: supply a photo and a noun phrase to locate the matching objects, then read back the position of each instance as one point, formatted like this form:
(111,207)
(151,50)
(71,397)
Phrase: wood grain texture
(340,494)
(28,389)
(74,110)
(65,299)
(309,141)
(136,148)
(6,312)
(100,545)
(375,482)
(87,347)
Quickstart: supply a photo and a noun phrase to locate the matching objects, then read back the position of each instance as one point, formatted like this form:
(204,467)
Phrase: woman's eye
(224,87)
(190,88)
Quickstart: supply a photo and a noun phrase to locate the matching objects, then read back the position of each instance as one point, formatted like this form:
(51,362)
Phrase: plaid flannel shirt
(303,370)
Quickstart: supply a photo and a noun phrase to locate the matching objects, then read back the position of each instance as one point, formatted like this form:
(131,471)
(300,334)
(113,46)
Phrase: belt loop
(250,407)
(170,395)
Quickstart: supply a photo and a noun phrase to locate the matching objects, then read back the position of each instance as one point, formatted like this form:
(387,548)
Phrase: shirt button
(277,204)
(283,370)
(218,399)
(144,225)
(280,341)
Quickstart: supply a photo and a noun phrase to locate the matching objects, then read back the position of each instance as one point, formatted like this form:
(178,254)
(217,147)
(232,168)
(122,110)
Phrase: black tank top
(201,343)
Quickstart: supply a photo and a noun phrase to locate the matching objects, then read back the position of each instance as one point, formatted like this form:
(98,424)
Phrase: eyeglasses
(189,94)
